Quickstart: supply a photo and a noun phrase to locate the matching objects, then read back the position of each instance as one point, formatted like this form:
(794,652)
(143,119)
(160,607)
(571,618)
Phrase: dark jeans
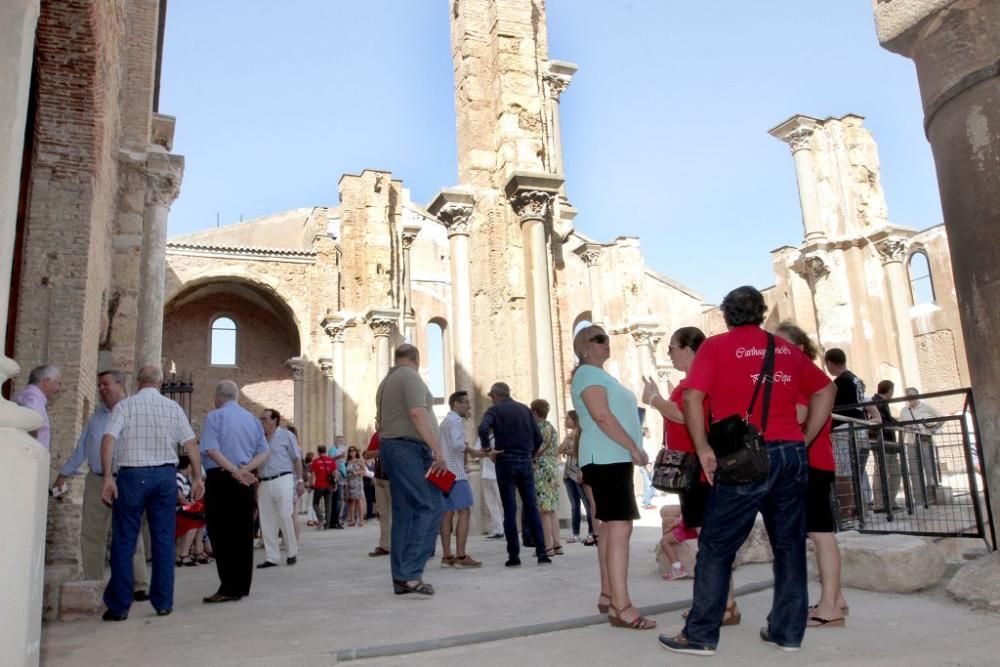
(229,512)
(732,510)
(325,511)
(369,498)
(576,496)
(417,506)
(152,491)
(339,505)
(517,475)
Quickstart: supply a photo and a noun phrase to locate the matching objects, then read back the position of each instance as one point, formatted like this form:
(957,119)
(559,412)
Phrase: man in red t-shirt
(324,470)
(725,371)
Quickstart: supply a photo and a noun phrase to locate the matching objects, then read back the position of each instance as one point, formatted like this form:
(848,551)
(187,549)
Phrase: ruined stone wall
(264,344)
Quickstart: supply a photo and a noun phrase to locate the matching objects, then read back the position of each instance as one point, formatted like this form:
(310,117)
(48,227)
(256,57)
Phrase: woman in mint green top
(610,444)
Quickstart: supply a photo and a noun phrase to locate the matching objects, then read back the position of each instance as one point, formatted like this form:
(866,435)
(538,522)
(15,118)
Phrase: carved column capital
(642,335)
(409,235)
(557,84)
(892,249)
(381,326)
(590,253)
(531,204)
(812,267)
(455,218)
(298,366)
(326,365)
(335,329)
(800,139)
(164,173)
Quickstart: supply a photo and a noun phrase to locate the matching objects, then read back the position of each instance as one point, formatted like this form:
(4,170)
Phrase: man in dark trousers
(516,438)
(234,446)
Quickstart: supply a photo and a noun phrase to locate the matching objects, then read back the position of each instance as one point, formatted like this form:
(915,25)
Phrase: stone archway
(266,337)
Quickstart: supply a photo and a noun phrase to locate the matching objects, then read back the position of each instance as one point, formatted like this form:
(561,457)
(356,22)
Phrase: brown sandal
(731,617)
(603,608)
(639,623)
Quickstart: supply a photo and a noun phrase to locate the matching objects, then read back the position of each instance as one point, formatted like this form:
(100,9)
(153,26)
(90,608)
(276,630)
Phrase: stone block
(81,599)
(889,563)
(757,547)
(978,582)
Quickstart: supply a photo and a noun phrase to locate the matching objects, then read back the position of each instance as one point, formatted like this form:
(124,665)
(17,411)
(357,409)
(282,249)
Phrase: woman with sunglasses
(355,487)
(610,445)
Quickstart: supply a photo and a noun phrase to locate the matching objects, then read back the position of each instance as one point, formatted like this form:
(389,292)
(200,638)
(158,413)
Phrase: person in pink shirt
(44,384)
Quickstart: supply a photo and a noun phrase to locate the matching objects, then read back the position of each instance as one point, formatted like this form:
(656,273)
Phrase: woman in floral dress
(355,487)
(546,467)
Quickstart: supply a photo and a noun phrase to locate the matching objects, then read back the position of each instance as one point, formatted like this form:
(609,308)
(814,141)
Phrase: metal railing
(920,475)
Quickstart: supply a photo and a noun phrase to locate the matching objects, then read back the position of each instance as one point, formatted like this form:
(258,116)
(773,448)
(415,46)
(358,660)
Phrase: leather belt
(280,474)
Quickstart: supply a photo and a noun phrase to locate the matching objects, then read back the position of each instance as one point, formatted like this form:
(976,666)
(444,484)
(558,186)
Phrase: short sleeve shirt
(595,445)
(452,439)
(850,391)
(148,428)
(284,453)
(728,365)
(235,432)
(401,391)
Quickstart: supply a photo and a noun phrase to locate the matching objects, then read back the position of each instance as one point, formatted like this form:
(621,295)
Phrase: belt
(280,474)
(162,465)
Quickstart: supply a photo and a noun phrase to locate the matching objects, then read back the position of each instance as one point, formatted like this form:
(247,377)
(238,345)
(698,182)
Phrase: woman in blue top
(610,444)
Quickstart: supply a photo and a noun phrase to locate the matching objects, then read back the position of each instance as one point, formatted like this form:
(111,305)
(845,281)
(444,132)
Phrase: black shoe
(528,544)
(291,560)
(163,612)
(140,595)
(544,560)
(513,562)
(108,616)
(338,526)
(495,536)
(765,637)
(681,644)
(219,597)
(265,564)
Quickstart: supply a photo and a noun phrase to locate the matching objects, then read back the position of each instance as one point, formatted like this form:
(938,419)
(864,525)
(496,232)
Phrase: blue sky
(664,127)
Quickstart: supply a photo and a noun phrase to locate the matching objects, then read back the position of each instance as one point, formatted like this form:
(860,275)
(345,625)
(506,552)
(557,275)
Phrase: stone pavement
(337,605)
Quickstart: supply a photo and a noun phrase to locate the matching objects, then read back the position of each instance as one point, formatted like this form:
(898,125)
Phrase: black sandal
(400,587)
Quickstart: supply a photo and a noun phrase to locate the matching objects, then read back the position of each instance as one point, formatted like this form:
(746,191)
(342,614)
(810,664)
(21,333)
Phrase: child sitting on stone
(674,532)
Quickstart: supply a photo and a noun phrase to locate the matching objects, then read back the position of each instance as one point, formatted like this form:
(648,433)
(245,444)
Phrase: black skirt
(613,489)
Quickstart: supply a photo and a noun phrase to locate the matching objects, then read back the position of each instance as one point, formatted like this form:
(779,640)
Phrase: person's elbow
(416,414)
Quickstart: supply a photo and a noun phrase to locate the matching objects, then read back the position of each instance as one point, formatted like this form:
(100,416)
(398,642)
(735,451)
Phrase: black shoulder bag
(738,445)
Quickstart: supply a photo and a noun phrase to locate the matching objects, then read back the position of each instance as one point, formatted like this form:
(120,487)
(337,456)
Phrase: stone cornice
(241,252)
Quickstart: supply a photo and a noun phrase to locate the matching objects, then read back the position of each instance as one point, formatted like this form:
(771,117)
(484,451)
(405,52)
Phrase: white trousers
(494,509)
(277,501)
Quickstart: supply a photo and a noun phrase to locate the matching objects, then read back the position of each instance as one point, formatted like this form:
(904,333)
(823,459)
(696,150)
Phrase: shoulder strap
(766,369)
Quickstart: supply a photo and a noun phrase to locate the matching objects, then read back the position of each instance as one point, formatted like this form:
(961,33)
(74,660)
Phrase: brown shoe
(466,561)
(379,551)
(447,561)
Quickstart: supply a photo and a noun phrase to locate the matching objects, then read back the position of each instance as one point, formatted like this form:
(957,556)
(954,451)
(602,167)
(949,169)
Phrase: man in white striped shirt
(140,477)
(451,436)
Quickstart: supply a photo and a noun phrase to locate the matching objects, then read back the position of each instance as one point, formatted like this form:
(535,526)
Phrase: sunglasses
(600,339)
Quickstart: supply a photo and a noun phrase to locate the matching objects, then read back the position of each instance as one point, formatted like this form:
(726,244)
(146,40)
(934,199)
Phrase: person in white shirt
(922,456)
(458,503)
(280,481)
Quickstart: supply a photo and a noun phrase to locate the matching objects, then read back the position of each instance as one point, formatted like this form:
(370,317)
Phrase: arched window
(223,352)
(437,382)
(921,282)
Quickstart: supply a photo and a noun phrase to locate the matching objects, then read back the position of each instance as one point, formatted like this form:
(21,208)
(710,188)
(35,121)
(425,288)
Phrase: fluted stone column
(163,182)
(453,208)
(382,323)
(298,366)
(590,253)
(335,329)
(329,385)
(797,132)
(24,474)
(892,252)
(955,49)
(408,236)
(530,196)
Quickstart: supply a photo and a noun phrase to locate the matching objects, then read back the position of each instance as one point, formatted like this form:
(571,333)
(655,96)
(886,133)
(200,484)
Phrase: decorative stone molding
(531,204)
(812,267)
(326,365)
(164,173)
(381,326)
(590,253)
(455,218)
(557,84)
(892,249)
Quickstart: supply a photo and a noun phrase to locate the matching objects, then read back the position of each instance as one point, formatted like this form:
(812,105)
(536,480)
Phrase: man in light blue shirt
(96,523)
(338,452)
(280,481)
(234,446)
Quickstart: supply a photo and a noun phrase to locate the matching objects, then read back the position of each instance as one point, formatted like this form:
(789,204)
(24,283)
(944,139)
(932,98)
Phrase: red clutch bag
(442,480)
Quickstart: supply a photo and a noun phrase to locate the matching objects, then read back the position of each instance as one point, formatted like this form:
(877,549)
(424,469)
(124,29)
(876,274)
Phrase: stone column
(797,132)
(163,182)
(590,253)
(329,400)
(298,366)
(25,473)
(454,209)
(335,329)
(892,252)
(557,80)
(382,323)
(642,334)
(409,235)
(530,196)
(957,56)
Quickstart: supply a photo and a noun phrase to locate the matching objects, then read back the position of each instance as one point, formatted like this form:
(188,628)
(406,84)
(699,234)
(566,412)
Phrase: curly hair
(743,305)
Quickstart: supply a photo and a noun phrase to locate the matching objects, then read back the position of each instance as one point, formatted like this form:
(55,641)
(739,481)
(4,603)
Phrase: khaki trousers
(493,506)
(94,530)
(383,505)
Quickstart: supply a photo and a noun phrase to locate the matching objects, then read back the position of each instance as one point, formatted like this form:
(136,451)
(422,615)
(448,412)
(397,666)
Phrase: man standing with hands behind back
(234,446)
(140,475)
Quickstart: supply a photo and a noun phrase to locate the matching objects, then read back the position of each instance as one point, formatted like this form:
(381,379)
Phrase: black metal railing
(919,475)
(179,388)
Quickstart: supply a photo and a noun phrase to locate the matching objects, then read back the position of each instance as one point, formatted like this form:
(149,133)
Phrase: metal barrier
(921,475)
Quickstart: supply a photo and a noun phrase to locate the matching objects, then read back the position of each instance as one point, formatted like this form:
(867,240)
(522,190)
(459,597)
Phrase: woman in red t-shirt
(820,521)
(684,343)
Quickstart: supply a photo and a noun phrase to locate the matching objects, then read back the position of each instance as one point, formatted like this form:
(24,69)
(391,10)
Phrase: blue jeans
(732,509)
(647,486)
(576,496)
(417,506)
(517,475)
(153,491)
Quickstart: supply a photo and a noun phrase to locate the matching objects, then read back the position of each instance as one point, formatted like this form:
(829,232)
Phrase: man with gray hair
(234,446)
(139,461)
(44,384)
(96,522)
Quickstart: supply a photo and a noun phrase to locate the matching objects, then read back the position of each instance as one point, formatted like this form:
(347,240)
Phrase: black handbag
(674,471)
(740,453)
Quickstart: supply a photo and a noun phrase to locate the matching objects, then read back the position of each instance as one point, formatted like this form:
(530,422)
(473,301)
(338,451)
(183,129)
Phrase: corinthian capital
(557,84)
(892,249)
(590,253)
(298,366)
(381,326)
(335,329)
(531,193)
(326,365)
(812,267)
(455,218)
(164,173)
(797,132)
(409,235)
(531,204)
(644,333)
